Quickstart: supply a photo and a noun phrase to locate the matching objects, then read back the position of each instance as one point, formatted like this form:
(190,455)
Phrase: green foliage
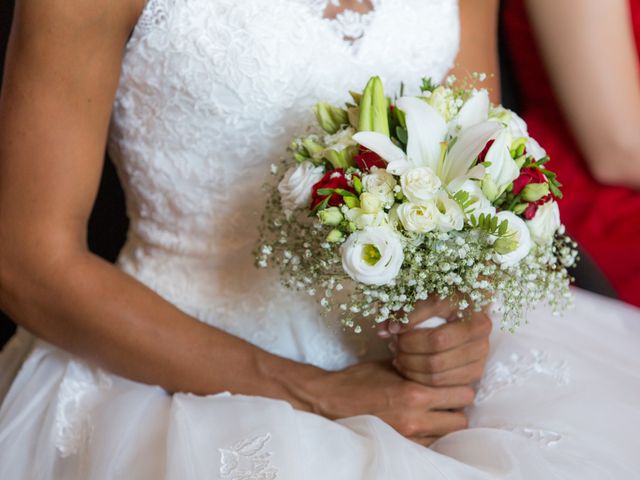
(465,200)
(490,224)
(428,85)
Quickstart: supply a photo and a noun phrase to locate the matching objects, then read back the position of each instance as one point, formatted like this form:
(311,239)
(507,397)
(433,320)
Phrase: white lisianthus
(380,183)
(518,240)
(362,219)
(420,185)
(518,129)
(545,224)
(418,218)
(373,256)
(450,215)
(295,187)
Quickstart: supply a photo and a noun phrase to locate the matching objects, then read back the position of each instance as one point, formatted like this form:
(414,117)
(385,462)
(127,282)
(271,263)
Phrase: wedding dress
(210,93)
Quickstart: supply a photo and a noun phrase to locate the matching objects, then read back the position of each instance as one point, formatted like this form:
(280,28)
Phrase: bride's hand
(418,412)
(452,354)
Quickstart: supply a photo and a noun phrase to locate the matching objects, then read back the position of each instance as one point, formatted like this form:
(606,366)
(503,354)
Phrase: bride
(207,92)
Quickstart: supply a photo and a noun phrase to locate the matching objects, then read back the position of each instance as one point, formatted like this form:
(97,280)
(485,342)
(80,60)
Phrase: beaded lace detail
(248,460)
(518,370)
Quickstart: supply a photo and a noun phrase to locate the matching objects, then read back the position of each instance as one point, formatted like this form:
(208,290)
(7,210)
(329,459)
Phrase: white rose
(418,218)
(380,183)
(361,219)
(373,256)
(420,185)
(295,187)
(518,233)
(545,223)
(450,215)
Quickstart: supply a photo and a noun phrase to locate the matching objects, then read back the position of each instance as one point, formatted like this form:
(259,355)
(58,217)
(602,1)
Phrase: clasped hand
(453,354)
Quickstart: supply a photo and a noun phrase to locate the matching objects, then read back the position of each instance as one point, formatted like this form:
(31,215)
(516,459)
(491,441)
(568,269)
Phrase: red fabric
(605,220)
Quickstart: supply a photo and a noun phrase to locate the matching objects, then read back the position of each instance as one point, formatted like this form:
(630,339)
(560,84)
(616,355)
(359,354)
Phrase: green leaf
(555,190)
(325,191)
(345,193)
(543,160)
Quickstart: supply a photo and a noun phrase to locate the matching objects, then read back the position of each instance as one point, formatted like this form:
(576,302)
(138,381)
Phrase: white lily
(427,135)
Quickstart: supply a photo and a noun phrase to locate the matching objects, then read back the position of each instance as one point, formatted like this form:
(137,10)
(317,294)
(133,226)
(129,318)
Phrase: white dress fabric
(210,94)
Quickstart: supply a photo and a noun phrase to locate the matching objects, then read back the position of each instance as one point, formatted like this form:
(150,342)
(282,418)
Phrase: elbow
(617,165)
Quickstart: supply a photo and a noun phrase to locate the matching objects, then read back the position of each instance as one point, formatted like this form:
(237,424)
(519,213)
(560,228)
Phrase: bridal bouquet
(389,201)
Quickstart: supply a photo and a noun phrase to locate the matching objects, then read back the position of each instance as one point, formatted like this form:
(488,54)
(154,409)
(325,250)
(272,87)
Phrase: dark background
(108,224)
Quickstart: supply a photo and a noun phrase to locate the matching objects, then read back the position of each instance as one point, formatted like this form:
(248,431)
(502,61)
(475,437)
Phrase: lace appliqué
(520,368)
(78,393)
(545,438)
(247,460)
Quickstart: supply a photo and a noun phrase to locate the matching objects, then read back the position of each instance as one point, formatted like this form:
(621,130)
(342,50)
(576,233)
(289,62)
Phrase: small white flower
(545,223)
(519,233)
(418,218)
(380,183)
(420,185)
(295,187)
(373,256)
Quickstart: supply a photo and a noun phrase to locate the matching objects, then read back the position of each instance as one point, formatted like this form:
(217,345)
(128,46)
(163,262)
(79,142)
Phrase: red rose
(367,159)
(332,179)
(527,176)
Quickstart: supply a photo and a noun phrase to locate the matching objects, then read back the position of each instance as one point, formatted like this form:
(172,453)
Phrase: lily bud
(314,148)
(335,236)
(374,108)
(505,245)
(354,116)
(329,117)
(535,191)
(370,203)
(489,188)
(518,146)
(330,216)
(340,158)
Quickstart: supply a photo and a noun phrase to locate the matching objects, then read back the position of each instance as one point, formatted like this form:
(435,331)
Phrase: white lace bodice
(211,92)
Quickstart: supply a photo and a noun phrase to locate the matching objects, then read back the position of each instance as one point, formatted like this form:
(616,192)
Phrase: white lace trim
(248,460)
(79,391)
(519,369)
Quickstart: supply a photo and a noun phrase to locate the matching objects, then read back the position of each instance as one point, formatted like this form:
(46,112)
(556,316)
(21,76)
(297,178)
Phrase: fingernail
(393,347)
(383,333)
(394,328)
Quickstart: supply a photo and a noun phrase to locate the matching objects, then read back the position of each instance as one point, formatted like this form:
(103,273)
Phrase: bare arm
(62,72)
(479,43)
(591,58)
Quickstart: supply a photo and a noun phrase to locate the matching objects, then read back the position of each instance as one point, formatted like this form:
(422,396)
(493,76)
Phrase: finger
(420,423)
(451,398)
(424,441)
(444,361)
(445,337)
(424,310)
(442,423)
(459,376)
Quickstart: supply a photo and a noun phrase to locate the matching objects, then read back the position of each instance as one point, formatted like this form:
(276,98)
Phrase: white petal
(382,145)
(503,168)
(426,130)
(475,110)
(470,143)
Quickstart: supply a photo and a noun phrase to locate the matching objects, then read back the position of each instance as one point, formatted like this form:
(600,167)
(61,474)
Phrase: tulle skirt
(560,399)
